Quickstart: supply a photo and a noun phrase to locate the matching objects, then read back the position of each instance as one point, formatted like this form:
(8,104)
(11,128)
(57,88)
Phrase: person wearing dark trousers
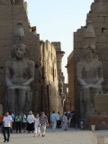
(7,123)
(18,123)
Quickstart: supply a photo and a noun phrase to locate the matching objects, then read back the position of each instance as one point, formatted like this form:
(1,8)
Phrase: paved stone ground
(72,136)
(103,133)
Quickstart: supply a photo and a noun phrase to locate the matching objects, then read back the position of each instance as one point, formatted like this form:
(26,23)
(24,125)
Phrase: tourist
(53,119)
(72,118)
(13,122)
(1,120)
(37,125)
(58,120)
(69,116)
(44,123)
(65,121)
(24,122)
(7,124)
(30,122)
(18,123)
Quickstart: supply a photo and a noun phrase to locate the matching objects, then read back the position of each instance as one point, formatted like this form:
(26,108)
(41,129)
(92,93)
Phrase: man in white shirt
(7,123)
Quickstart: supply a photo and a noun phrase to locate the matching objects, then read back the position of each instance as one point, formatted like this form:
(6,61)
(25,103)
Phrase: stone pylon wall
(99,17)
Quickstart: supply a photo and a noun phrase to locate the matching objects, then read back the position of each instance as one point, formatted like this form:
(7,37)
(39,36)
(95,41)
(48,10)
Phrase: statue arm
(8,74)
(80,74)
(32,70)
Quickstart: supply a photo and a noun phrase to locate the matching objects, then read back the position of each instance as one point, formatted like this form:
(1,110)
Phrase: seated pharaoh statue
(90,78)
(19,76)
(89,72)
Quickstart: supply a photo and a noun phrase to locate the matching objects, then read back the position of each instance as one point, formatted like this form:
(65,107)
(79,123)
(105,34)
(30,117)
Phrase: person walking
(1,120)
(65,122)
(53,119)
(30,122)
(24,121)
(13,123)
(18,123)
(44,123)
(7,124)
(37,125)
(58,120)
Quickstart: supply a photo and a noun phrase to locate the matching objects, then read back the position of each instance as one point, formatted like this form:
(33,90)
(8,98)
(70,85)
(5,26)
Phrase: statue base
(100,121)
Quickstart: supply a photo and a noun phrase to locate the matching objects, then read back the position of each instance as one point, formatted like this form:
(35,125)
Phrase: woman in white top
(30,122)
(37,125)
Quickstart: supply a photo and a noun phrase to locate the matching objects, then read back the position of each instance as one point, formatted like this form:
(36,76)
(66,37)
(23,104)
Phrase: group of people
(30,123)
(33,123)
(61,121)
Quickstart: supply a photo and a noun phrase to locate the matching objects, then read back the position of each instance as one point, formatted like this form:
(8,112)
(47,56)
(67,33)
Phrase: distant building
(70,99)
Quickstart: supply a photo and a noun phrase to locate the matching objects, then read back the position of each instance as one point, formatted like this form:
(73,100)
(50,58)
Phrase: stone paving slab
(103,133)
(72,136)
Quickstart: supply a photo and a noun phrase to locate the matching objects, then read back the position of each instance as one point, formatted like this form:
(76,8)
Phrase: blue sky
(56,20)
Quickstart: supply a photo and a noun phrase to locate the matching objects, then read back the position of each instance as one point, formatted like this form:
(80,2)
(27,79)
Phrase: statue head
(19,51)
(19,35)
(88,53)
(89,37)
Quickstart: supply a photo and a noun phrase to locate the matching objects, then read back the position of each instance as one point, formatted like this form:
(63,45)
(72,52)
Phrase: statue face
(20,52)
(88,54)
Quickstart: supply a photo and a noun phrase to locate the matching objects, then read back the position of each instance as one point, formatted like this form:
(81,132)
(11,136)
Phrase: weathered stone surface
(100,121)
(89,72)
(100,139)
(1,109)
(101,103)
(70,100)
(99,17)
(45,61)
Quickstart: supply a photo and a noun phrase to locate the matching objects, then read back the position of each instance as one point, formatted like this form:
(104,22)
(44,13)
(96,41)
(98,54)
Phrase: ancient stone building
(69,104)
(51,100)
(61,79)
(98,15)
(45,86)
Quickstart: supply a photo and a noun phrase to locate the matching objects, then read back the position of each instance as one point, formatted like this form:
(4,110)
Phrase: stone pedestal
(101,104)
(100,121)
(99,117)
